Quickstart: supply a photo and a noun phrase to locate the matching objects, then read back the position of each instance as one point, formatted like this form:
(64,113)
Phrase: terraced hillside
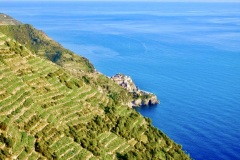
(48,113)
(39,43)
(43,46)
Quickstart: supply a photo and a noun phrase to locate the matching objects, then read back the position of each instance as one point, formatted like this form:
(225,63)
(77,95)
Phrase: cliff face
(51,111)
(139,97)
(146,99)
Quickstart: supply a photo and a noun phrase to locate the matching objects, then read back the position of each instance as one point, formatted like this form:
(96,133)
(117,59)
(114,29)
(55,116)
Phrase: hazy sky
(139,0)
(160,0)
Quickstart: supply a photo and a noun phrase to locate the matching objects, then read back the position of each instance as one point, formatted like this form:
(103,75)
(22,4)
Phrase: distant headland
(140,97)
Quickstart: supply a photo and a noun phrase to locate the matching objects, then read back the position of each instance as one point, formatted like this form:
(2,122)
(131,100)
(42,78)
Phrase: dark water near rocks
(186,53)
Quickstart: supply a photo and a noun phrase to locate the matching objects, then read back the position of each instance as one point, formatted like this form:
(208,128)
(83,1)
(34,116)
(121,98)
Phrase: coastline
(139,97)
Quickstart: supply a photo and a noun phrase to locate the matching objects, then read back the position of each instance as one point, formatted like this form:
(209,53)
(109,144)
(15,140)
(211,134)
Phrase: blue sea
(188,54)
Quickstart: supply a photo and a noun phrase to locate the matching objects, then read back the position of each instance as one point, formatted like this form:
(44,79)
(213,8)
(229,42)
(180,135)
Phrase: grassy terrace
(46,112)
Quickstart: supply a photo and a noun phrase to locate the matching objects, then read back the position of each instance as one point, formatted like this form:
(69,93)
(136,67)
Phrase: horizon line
(165,1)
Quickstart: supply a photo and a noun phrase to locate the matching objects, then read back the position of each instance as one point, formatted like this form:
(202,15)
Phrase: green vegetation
(39,43)
(43,46)
(48,111)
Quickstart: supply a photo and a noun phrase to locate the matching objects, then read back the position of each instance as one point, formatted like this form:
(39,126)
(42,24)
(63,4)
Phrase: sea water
(188,54)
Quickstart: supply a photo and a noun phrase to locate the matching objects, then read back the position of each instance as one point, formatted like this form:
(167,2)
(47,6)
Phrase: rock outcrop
(140,97)
(145,99)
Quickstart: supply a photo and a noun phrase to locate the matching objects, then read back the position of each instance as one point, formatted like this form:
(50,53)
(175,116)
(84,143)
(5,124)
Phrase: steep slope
(46,112)
(39,43)
(43,46)
(7,20)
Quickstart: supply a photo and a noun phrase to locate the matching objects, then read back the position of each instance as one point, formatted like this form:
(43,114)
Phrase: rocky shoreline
(139,97)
